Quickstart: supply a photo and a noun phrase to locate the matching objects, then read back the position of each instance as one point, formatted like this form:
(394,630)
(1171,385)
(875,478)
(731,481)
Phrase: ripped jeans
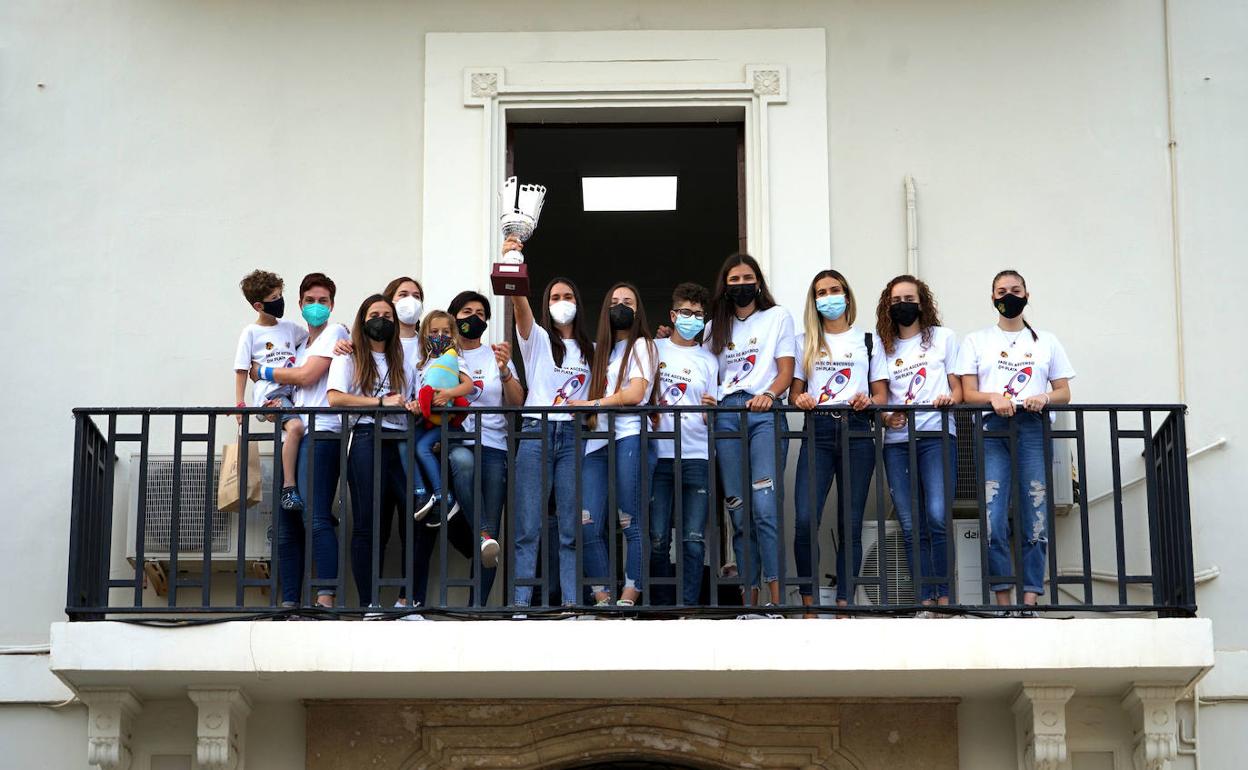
(761,539)
(1025,480)
(596,538)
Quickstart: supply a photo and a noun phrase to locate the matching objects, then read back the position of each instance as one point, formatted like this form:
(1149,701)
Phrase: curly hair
(259,284)
(929,314)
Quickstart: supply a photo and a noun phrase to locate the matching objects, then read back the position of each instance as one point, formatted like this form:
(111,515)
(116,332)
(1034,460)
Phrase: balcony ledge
(888,658)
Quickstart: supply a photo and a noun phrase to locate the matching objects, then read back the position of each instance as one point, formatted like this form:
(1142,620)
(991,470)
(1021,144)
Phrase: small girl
(437,338)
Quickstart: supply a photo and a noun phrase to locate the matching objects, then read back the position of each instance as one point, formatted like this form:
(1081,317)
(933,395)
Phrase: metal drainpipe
(1172,149)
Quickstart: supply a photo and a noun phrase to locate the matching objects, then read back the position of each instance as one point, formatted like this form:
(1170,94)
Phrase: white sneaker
(489,552)
(454,510)
(378,615)
(409,615)
(420,512)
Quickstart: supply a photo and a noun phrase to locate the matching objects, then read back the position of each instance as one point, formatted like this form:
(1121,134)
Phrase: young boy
(271,343)
(688,376)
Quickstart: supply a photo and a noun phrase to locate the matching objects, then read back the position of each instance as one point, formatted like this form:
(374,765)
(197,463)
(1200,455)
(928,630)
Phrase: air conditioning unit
(965,496)
(889,554)
(223,527)
(967,573)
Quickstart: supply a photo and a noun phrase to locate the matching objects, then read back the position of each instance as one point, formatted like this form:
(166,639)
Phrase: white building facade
(153,154)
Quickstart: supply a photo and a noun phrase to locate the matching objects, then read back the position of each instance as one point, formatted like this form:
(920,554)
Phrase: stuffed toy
(441,373)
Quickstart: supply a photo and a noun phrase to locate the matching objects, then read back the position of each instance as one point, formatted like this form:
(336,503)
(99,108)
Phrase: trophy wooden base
(510,280)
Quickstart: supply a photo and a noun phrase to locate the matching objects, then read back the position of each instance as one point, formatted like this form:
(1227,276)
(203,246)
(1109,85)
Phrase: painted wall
(152,153)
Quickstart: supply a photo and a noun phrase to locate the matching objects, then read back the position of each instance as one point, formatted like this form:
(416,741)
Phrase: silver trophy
(521,205)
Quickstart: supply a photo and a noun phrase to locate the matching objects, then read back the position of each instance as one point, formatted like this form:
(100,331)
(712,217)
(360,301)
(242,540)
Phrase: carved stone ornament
(484,84)
(767,82)
(1040,714)
(221,729)
(110,713)
(1155,724)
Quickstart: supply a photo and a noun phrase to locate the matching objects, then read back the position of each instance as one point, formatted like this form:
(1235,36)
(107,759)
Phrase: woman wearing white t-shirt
(1018,371)
(920,356)
(557,351)
(494,384)
(376,374)
(622,374)
(837,365)
(753,339)
(320,449)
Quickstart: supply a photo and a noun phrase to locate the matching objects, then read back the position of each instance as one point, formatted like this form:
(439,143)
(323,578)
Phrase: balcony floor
(862,658)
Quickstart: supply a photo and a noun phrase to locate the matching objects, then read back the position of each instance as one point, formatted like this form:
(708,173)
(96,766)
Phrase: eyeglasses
(685,312)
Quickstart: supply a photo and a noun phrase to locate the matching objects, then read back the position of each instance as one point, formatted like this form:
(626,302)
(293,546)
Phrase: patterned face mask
(438,343)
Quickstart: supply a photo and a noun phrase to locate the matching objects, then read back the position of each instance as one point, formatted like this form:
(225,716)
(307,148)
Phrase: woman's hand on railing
(1036,403)
(761,403)
(1001,405)
(895,419)
(943,400)
(394,399)
(805,401)
(859,401)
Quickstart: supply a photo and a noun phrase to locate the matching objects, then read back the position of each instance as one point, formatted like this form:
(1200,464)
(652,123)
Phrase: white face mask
(562,312)
(408,309)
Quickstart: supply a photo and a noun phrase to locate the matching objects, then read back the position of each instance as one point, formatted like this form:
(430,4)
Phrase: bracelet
(241,405)
(769,394)
(266,373)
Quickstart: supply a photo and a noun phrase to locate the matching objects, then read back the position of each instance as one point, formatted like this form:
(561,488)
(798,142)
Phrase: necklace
(1008,338)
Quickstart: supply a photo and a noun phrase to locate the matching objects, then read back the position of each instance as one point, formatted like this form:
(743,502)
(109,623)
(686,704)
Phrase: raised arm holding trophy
(521,207)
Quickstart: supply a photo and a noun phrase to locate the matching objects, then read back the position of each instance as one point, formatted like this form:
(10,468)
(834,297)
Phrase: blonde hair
(816,345)
(426,324)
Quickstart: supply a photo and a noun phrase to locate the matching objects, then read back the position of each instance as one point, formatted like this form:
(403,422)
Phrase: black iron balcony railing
(184,557)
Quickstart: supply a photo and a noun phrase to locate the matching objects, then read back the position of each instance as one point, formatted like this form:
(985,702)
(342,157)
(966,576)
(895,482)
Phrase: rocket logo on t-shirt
(568,391)
(1018,382)
(672,394)
(478,387)
(834,385)
(916,384)
(744,367)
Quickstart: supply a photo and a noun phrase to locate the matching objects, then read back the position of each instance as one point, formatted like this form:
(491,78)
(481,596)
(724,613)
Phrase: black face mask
(742,294)
(904,313)
(621,317)
(380,328)
(472,327)
(275,308)
(1010,305)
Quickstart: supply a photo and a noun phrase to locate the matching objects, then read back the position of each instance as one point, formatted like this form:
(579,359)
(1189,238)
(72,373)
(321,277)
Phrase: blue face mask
(831,306)
(689,327)
(315,314)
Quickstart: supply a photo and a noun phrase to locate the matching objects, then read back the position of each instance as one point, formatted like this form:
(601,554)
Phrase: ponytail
(1034,337)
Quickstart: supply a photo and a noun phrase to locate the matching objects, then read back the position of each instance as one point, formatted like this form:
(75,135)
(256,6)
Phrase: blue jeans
(531,499)
(854,472)
(427,460)
(290,524)
(934,480)
(360,460)
(693,510)
(493,494)
(595,537)
(419,489)
(761,539)
(1022,479)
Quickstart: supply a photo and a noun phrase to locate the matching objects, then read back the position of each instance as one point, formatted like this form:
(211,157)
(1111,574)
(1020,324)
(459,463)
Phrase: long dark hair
(366,373)
(606,341)
(929,314)
(722,314)
(1023,281)
(579,333)
(394,285)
